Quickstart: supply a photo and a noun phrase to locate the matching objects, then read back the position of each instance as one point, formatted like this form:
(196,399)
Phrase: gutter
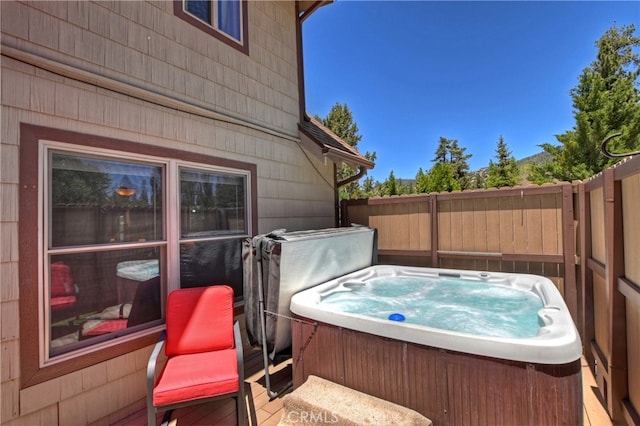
(361,172)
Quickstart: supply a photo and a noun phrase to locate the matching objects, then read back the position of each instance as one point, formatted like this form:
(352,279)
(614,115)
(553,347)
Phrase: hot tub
(447,373)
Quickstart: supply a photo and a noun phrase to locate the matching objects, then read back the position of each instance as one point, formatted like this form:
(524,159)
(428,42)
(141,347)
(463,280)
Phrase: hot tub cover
(284,263)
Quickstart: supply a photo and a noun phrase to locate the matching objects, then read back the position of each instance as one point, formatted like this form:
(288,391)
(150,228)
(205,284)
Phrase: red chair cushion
(100,327)
(199,320)
(193,376)
(61,280)
(63,302)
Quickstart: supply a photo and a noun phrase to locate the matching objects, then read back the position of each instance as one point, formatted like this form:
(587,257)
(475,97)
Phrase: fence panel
(510,230)
(610,318)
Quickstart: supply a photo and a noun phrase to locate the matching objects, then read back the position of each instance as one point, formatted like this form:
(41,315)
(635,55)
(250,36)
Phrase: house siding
(198,95)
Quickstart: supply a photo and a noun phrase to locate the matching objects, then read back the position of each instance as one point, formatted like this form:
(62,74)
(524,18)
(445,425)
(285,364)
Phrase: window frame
(242,45)
(35,367)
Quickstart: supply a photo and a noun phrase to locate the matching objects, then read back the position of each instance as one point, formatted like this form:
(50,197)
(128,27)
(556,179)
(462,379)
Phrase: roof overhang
(325,144)
(307,7)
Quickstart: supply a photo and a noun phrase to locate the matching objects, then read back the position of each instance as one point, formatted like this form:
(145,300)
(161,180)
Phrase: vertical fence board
(631,219)
(493,236)
(400,225)
(597,225)
(551,222)
(633,350)
(466,225)
(519,225)
(507,237)
(567,246)
(413,219)
(617,389)
(456,225)
(444,225)
(479,225)
(533,224)
(586,315)
(601,313)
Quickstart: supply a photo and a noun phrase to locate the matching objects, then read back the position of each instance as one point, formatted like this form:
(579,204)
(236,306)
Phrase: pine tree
(391,186)
(606,100)
(505,171)
(340,121)
(450,171)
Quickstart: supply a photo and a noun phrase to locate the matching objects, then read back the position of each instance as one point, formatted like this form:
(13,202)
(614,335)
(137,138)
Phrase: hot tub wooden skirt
(450,388)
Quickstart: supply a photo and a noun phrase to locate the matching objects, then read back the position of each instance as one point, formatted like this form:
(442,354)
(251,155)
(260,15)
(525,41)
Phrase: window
(120,229)
(224,19)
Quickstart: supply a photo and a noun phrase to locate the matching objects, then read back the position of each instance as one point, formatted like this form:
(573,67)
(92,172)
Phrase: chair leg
(151,415)
(166,418)
(241,405)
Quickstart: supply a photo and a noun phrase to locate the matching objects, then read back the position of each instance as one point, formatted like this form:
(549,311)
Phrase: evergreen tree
(421,182)
(442,151)
(441,178)
(340,121)
(606,100)
(505,171)
(451,171)
(391,186)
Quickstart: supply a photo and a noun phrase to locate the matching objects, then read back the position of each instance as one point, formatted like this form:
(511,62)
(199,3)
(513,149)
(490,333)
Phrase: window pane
(97,201)
(212,262)
(100,295)
(199,8)
(229,17)
(211,204)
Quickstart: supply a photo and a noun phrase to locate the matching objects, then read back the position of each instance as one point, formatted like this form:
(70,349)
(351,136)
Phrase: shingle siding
(143,46)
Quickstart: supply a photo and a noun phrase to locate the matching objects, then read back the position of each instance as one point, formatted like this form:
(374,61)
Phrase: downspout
(361,172)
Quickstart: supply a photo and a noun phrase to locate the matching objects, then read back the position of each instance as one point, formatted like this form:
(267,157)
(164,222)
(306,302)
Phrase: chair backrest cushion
(199,319)
(61,280)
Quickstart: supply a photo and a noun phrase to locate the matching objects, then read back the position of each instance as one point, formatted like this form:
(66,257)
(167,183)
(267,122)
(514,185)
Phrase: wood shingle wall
(133,71)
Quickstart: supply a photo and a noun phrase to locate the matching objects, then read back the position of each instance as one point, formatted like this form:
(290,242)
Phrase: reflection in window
(95,296)
(211,204)
(109,252)
(212,262)
(97,201)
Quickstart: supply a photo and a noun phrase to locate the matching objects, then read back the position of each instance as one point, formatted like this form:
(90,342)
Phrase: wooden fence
(609,205)
(584,236)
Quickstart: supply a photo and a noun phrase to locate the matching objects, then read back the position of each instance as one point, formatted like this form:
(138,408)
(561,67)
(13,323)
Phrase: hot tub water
(474,307)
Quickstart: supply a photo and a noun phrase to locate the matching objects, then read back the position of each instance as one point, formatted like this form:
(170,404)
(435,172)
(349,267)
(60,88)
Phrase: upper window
(119,231)
(224,19)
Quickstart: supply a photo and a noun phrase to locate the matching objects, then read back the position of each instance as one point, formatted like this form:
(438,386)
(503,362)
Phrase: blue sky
(413,71)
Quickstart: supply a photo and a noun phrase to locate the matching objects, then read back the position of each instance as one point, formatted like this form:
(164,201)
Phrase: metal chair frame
(239,396)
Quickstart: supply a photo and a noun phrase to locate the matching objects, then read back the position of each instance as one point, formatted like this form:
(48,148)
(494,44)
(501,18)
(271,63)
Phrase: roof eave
(307,7)
(335,154)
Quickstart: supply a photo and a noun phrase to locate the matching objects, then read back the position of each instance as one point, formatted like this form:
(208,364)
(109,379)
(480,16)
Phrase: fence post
(569,246)
(618,386)
(585,319)
(433,208)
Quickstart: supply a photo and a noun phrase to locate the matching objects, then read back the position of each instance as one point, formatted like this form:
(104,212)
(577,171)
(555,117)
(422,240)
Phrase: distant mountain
(539,158)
